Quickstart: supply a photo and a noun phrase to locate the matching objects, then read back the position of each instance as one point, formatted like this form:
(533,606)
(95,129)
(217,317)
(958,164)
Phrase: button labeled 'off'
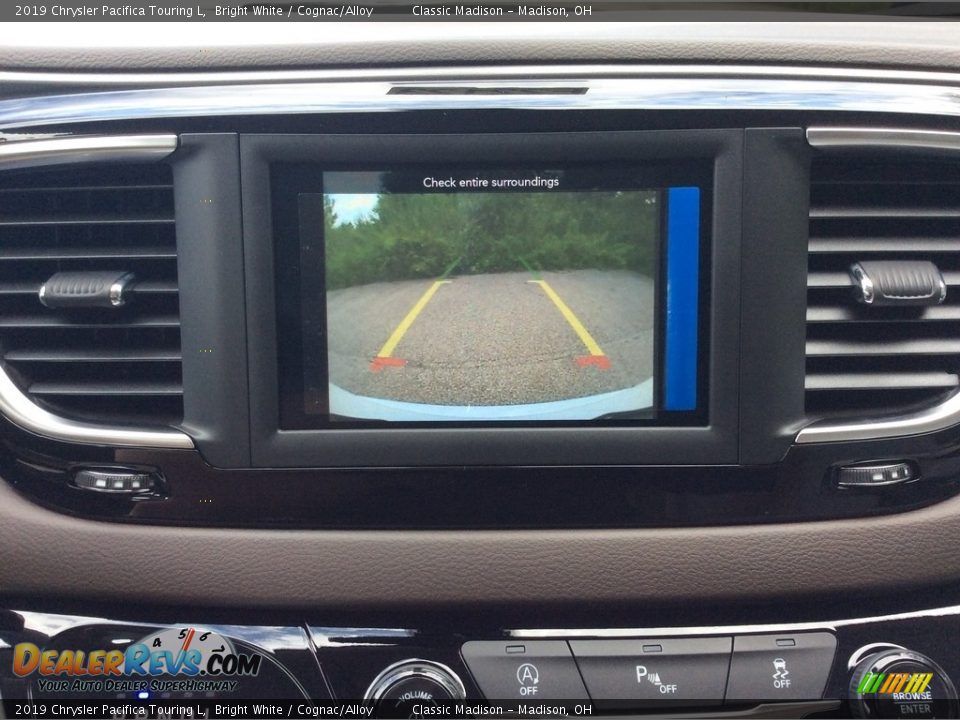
(655,671)
(532,670)
(780,667)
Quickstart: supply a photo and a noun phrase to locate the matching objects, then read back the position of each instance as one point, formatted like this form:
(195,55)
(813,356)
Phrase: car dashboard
(542,369)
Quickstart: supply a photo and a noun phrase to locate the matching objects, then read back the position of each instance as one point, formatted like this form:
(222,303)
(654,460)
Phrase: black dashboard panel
(578,444)
(785,670)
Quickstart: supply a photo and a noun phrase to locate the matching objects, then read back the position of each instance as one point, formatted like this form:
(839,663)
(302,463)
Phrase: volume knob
(404,685)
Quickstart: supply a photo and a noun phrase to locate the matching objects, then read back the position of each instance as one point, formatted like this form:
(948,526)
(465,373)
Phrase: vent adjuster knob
(99,288)
(898,282)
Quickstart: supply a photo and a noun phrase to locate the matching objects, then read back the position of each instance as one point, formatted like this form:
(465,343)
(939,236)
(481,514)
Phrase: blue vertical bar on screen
(683,282)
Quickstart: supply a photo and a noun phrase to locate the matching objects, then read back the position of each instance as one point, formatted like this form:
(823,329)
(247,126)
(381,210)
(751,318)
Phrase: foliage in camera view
(422,236)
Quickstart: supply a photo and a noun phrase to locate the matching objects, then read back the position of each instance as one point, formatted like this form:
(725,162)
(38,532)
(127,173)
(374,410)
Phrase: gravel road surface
(494,339)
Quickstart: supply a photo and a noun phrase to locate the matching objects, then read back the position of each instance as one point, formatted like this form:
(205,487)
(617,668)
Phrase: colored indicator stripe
(186,644)
(683,287)
(917,680)
(865,683)
(914,680)
(894,683)
(889,684)
(186,641)
(585,337)
(391,344)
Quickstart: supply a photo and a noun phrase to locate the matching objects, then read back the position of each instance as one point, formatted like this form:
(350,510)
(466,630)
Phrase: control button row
(696,671)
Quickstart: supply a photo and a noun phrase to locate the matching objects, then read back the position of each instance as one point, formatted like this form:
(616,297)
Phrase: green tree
(419,235)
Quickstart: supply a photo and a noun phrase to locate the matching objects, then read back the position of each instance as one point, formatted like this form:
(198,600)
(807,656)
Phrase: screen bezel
(717,152)
(301,268)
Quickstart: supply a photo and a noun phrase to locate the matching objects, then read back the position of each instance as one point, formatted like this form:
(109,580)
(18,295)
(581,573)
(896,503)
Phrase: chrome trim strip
(863,283)
(119,288)
(860,654)
(938,417)
(16,406)
(845,138)
(643,93)
(21,411)
(60,151)
(949,611)
(131,80)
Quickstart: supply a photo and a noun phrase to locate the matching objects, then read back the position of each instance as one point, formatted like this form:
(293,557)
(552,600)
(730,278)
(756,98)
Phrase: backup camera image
(494,298)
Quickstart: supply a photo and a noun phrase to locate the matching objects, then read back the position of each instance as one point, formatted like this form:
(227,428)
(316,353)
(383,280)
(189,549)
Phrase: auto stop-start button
(524,670)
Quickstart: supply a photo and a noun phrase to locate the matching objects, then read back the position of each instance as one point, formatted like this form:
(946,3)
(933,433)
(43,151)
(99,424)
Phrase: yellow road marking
(391,344)
(572,319)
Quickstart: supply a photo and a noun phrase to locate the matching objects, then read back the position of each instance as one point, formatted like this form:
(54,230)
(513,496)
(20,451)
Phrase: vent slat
(158,287)
(95,355)
(85,188)
(19,288)
(829,280)
(839,280)
(865,361)
(872,381)
(842,348)
(80,253)
(41,221)
(105,388)
(855,314)
(848,213)
(886,245)
(877,181)
(120,366)
(53,321)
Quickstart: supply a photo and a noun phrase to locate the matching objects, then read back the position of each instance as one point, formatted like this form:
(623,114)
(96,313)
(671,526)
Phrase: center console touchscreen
(500,295)
(493,298)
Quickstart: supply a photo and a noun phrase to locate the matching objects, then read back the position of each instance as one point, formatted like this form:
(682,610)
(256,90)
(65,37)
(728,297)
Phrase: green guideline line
(450,268)
(535,273)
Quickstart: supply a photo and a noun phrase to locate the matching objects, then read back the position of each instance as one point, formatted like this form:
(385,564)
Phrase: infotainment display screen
(550,295)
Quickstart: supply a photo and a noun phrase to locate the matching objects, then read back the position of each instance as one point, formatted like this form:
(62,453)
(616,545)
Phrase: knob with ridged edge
(400,688)
(893,682)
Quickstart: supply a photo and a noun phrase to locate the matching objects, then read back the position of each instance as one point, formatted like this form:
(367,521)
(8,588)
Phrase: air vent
(868,360)
(110,365)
